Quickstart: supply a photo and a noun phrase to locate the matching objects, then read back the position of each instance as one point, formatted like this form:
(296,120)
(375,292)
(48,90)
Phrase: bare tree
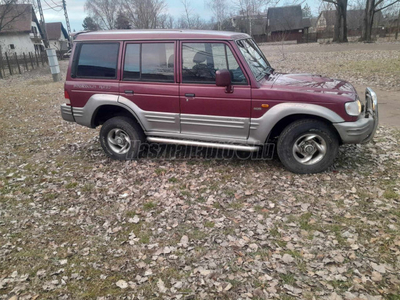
(10,12)
(103,12)
(325,6)
(250,8)
(293,2)
(199,23)
(220,11)
(122,21)
(187,15)
(188,20)
(371,8)
(144,14)
(165,21)
(340,30)
(357,4)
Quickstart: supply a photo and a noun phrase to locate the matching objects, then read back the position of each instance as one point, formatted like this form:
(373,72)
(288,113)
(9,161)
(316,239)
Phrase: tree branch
(379,2)
(8,10)
(376,10)
(331,1)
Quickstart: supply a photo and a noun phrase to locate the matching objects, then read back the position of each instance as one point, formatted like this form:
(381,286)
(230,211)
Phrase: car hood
(312,83)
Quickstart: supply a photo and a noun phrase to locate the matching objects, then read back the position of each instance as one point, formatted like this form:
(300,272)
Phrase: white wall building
(57,36)
(20,32)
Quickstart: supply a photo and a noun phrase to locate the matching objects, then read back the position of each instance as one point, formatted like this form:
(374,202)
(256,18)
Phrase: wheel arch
(280,115)
(101,107)
(285,121)
(105,112)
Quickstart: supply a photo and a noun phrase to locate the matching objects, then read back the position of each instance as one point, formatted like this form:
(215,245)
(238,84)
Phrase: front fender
(261,127)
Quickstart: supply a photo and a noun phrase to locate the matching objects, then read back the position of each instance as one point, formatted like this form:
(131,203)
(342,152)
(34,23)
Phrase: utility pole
(43,23)
(51,53)
(66,16)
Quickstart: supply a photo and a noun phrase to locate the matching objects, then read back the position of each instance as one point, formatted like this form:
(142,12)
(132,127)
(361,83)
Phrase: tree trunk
(343,34)
(340,30)
(397,29)
(336,30)
(368,21)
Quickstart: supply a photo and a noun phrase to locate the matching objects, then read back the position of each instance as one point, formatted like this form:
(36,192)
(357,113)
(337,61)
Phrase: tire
(307,146)
(121,138)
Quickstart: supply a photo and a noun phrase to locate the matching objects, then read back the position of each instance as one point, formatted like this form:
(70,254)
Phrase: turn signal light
(264,105)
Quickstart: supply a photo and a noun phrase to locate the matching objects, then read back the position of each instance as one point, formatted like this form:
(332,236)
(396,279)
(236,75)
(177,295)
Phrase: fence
(11,63)
(319,36)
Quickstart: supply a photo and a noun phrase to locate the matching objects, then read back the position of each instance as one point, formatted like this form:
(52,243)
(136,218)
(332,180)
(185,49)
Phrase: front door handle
(129,92)
(190,95)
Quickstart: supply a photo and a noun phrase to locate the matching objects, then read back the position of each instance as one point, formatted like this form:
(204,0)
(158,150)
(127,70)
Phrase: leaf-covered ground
(376,65)
(76,225)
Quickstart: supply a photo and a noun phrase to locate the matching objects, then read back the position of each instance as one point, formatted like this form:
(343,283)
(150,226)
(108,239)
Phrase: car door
(206,109)
(148,80)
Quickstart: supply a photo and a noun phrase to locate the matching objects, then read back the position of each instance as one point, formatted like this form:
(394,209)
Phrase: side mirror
(223,78)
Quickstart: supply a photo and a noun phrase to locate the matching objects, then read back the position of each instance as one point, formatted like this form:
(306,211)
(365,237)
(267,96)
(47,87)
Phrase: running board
(203,144)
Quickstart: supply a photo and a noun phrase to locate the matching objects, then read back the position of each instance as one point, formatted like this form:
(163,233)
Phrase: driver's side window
(200,61)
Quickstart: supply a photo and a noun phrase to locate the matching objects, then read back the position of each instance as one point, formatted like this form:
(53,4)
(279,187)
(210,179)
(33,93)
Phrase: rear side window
(132,62)
(97,61)
(149,62)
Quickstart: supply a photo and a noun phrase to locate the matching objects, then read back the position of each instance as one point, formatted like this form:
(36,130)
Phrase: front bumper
(66,113)
(363,130)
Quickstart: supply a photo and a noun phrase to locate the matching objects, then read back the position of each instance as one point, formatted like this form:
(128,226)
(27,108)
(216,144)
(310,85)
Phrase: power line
(51,7)
(56,3)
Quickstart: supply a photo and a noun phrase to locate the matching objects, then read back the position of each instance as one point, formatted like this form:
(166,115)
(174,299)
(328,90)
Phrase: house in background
(391,24)
(354,19)
(21,33)
(255,25)
(326,21)
(286,23)
(313,25)
(57,36)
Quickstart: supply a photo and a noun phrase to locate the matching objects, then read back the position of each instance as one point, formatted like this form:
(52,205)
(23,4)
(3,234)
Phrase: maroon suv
(210,89)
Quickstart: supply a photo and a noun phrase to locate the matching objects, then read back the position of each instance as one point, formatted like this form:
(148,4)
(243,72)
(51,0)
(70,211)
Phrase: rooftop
(285,18)
(151,34)
(54,31)
(16,17)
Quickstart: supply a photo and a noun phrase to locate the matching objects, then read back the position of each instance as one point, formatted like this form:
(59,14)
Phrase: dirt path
(316,47)
(364,65)
(389,106)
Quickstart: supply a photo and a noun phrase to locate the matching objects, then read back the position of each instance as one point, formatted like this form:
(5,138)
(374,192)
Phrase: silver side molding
(203,144)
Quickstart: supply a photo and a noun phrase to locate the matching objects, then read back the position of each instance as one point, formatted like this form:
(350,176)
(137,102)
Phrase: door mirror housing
(223,78)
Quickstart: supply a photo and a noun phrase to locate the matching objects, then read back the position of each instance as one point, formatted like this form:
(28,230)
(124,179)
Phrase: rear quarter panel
(81,89)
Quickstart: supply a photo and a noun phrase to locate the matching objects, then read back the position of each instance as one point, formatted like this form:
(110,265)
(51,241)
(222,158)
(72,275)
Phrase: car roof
(159,34)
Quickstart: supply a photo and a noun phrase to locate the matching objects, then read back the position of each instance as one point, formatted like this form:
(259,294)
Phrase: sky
(76,13)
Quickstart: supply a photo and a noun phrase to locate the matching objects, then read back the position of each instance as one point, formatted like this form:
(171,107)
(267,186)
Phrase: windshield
(255,58)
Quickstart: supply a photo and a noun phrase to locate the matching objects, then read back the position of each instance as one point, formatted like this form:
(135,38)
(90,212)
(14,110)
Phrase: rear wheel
(307,146)
(120,138)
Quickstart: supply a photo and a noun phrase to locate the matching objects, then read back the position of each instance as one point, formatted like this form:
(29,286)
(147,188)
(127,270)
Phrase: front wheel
(120,138)
(307,146)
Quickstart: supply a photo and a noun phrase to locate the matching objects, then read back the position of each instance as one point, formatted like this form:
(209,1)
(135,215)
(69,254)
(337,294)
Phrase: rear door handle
(190,95)
(128,92)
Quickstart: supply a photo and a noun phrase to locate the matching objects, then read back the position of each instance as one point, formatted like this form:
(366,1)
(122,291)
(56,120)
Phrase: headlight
(353,108)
